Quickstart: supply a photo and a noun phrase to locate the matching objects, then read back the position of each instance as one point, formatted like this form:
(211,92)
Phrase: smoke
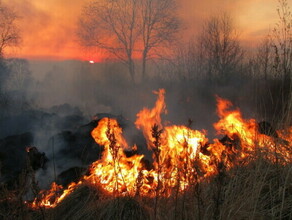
(57,100)
(63,97)
(106,88)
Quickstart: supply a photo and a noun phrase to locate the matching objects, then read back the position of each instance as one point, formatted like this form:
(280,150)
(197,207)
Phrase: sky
(48,27)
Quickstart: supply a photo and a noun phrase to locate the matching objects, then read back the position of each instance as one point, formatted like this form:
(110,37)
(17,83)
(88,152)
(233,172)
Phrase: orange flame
(181,156)
(52,197)
(114,172)
(146,118)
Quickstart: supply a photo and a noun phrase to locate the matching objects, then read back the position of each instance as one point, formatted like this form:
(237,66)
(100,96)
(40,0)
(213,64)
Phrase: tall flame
(114,172)
(146,118)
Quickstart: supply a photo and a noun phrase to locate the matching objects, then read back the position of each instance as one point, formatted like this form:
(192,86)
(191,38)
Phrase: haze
(48,28)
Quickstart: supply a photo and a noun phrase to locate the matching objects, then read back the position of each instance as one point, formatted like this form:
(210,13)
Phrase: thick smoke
(63,99)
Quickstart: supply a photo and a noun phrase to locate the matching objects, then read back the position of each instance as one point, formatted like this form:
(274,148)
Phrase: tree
(184,61)
(281,43)
(129,29)
(274,60)
(9,33)
(111,25)
(159,26)
(263,58)
(219,47)
(9,36)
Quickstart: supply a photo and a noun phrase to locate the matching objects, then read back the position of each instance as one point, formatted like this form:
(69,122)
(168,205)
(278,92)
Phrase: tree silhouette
(129,29)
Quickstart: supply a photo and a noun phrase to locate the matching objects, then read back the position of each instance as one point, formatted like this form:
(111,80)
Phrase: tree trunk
(144,65)
(131,67)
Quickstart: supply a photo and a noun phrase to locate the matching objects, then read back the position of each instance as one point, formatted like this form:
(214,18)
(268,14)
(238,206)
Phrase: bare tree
(281,39)
(184,62)
(9,36)
(9,33)
(111,25)
(129,29)
(274,60)
(263,61)
(159,27)
(219,47)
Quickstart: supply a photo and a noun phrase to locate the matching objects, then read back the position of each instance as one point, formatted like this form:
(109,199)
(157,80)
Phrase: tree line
(132,30)
(139,31)
(144,30)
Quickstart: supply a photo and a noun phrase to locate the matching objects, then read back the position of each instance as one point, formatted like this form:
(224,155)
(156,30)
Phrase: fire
(181,156)
(146,118)
(231,123)
(114,172)
(246,133)
(52,197)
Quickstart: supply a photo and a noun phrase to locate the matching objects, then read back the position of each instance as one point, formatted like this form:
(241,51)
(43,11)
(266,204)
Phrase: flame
(246,134)
(181,156)
(146,118)
(50,198)
(114,172)
(232,124)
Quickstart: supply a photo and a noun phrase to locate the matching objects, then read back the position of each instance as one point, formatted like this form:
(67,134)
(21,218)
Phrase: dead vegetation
(259,190)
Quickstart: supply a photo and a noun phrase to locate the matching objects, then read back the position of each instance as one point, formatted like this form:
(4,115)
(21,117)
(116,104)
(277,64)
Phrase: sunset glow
(48,28)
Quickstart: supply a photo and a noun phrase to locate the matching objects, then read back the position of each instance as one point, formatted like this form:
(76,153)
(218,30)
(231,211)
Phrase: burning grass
(258,190)
(245,174)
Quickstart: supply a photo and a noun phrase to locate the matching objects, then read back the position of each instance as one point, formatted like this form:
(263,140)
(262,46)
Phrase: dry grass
(258,190)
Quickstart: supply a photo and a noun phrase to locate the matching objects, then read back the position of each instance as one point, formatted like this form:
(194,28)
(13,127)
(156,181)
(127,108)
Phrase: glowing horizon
(48,28)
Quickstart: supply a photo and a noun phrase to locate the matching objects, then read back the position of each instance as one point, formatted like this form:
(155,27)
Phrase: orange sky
(48,26)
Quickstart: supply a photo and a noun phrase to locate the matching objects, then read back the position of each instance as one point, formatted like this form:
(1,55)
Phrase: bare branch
(9,33)
(129,29)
